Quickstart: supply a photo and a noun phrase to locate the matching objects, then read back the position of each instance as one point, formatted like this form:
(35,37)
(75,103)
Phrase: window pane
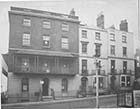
(124,51)
(46,41)
(112,50)
(123,81)
(26,39)
(128,80)
(26,22)
(64,43)
(97,36)
(84,33)
(65,27)
(84,47)
(112,37)
(25,65)
(97,50)
(46,24)
(100,82)
(84,64)
(124,39)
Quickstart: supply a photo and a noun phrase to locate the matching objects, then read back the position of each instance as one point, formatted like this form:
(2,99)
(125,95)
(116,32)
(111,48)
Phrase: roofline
(118,30)
(92,28)
(46,14)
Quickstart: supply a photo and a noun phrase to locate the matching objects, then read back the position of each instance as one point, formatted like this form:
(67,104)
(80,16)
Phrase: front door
(45,87)
(84,81)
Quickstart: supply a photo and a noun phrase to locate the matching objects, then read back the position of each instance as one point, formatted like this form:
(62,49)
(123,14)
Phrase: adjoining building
(4,74)
(115,53)
(121,57)
(93,42)
(43,54)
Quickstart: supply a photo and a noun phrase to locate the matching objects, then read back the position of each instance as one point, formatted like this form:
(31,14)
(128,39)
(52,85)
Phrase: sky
(87,10)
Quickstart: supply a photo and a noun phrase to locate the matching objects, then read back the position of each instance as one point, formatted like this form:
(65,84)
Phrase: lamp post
(97,82)
(97,89)
(41,83)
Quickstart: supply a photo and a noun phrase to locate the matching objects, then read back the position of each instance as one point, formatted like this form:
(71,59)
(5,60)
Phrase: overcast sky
(87,10)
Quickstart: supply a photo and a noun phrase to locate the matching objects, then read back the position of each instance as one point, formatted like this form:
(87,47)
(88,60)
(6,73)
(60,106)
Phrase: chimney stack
(124,25)
(100,20)
(72,12)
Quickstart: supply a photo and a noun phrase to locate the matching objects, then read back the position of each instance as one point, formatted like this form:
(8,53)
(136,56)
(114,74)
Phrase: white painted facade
(90,55)
(118,57)
(106,55)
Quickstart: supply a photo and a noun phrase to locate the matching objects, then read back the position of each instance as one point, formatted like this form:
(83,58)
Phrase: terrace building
(120,57)
(93,42)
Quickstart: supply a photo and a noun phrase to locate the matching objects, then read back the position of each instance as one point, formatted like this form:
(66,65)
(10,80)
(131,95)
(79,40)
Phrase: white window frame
(65,27)
(84,46)
(99,84)
(26,39)
(47,39)
(112,46)
(124,48)
(124,39)
(125,81)
(27,22)
(112,36)
(97,35)
(47,24)
(64,43)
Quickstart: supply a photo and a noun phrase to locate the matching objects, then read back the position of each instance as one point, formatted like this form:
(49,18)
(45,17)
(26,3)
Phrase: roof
(46,14)
(92,27)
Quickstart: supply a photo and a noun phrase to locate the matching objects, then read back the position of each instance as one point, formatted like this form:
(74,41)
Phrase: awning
(47,53)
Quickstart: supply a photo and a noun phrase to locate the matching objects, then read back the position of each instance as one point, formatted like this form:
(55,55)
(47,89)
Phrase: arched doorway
(45,86)
(84,81)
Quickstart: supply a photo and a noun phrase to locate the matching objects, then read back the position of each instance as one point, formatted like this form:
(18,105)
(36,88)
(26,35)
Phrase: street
(76,103)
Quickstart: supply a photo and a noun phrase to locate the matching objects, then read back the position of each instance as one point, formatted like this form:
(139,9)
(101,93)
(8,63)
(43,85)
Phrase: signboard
(136,94)
(128,99)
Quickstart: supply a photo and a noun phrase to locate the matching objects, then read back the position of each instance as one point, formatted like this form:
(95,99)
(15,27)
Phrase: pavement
(108,101)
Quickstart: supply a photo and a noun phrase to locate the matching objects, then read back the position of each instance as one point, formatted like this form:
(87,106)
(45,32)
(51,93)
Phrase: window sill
(98,39)
(46,28)
(27,46)
(124,55)
(112,40)
(84,37)
(84,53)
(26,25)
(124,42)
(46,47)
(65,30)
(113,55)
